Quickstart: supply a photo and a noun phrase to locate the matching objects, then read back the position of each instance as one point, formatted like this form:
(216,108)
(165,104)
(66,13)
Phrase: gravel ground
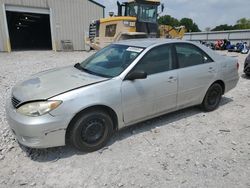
(188,148)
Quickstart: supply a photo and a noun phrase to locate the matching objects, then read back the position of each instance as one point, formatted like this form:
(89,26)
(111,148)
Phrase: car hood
(53,82)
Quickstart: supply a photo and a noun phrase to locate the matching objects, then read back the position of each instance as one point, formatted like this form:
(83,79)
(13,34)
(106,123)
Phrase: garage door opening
(29,31)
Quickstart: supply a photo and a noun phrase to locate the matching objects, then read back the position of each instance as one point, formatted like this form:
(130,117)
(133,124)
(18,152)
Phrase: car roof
(146,42)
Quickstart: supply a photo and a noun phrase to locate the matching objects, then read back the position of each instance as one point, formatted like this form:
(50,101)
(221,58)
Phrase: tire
(212,98)
(91,130)
(87,48)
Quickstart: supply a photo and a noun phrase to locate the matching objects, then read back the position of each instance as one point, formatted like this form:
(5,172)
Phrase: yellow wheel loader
(135,19)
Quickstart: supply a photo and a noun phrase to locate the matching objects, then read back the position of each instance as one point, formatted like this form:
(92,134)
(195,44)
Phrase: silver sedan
(125,83)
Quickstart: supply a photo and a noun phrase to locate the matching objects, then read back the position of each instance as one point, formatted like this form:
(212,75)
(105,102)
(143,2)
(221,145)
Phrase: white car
(125,83)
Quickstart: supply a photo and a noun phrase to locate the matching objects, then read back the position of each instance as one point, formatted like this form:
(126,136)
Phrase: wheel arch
(105,108)
(222,84)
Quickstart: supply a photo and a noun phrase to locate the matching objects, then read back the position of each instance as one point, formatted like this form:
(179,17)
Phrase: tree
(223,27)
(187,22)
(242,23)
(195,28)
(168,20)
(189,25)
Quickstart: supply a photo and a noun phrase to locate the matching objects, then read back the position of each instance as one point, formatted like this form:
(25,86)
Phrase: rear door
(196,72)
(157,93)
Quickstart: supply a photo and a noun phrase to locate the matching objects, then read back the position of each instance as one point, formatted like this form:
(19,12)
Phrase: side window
(157,60)
(189,55)
(110,30)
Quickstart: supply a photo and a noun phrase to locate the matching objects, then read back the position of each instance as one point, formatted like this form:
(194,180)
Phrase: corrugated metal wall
(70,19)
(234,36)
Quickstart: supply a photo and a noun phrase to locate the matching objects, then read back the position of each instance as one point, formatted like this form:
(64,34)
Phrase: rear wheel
(91,130)
(247,70)
(212,98)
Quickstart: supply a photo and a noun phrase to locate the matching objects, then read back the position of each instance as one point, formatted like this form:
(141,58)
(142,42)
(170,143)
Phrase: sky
(205,13)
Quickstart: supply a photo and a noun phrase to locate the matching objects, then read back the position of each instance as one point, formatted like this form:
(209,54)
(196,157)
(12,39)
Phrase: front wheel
(212,98)
(91,130)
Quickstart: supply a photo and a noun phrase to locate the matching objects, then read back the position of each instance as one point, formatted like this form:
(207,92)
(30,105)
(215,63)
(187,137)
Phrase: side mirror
(134,75)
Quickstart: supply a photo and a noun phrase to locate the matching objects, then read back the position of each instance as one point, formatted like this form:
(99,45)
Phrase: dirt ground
(188,148)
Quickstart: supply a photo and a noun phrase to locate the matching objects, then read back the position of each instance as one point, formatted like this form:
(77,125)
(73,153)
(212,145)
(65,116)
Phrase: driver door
(143,98)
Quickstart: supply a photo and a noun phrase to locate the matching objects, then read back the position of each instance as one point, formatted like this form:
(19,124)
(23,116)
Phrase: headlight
(38,108)
(132,24)
(126,23)
(129,24)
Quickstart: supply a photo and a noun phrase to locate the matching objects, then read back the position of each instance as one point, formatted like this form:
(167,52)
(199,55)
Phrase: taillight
(238,65)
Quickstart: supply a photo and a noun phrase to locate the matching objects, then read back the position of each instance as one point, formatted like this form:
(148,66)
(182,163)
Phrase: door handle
(211,70)
(172,79)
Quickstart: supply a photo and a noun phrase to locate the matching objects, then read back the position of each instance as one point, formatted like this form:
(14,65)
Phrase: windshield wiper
(78,66)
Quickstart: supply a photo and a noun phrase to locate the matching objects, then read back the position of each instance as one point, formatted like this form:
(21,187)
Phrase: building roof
(99,4)
(213,32)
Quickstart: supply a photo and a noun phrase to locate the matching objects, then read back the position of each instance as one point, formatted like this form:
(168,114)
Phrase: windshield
(148,13)
(110,61)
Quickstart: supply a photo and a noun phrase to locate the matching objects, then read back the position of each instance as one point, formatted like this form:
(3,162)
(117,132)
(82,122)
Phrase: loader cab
(145,13)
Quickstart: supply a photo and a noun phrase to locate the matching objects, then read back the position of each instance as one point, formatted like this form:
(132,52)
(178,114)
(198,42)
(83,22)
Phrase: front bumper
(37,132)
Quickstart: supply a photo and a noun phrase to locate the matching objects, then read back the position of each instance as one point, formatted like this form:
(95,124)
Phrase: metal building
(46,24)
(233,35)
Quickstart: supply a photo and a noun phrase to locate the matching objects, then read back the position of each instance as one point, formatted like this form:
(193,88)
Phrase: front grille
(94,28)
(15,102)
(92,31)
